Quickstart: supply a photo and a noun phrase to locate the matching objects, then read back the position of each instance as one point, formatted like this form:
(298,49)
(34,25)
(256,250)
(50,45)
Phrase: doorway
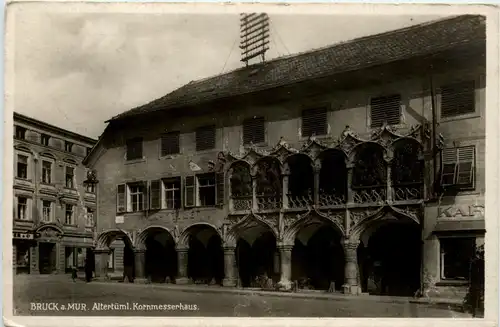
(47,257)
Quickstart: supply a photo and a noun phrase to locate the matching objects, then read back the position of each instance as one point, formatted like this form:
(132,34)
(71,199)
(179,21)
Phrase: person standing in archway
(88,271)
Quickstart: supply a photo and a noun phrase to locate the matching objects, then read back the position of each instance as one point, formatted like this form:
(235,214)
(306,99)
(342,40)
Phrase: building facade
(53,209)
(358,167)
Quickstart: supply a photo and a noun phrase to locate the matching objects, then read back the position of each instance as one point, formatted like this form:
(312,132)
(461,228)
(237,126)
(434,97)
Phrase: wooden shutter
(219,189)
(205,138)
(465,166)
(121,198)
(189,191)
(314,122)
(458,99)
(253,130)
(448,166)
(155,195)
(170,143)
(145,196)
(385,109)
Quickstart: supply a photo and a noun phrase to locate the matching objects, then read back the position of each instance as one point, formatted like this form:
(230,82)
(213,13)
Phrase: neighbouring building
(358,166)
(53,223)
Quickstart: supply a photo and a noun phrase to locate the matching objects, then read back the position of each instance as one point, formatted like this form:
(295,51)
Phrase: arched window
(300,182)
(241,186)
(332,178)
(369,178)
(407,171)
(269,187)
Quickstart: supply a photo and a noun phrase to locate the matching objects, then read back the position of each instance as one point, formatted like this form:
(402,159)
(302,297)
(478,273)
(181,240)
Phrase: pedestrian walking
(74,274)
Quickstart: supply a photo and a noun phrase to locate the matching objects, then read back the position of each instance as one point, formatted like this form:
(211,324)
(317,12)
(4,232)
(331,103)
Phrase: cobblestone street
(62,291)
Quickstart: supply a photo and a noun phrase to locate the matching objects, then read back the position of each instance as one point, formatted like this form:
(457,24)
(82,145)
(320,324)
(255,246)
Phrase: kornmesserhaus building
(53,223)
(358,167)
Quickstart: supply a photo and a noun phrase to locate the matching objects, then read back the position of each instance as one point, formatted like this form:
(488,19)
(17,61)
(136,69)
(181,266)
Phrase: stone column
(255,205)
(317,170)
(140,266)
(351,269)
(389,181)
(350,194)
(182,265)
(101,263)
(229,267)
(284,190)
(286,266)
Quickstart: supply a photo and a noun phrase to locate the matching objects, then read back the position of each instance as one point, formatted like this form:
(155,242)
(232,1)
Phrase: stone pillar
(255,205)
(182,266)
(389,182)
(286,266)
(351,278)
(284,195)
(350,194)
(101,263)
(140,266)
(317,170)
(229,267)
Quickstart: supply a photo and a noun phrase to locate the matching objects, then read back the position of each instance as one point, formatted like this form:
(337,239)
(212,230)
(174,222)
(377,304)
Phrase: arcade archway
(120,254)
(160,256)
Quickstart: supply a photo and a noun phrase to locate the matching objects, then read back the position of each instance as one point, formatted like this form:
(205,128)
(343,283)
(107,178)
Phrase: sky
(77,70)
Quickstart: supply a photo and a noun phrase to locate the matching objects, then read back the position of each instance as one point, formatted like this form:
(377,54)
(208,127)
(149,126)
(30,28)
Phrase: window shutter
(385,109)
(189,189)
(465,166)
(205,138)
(448,166)
(219,191)
(458,99)
(121,196)
(170,143)
(155,195)
(145,196)
(253,130)
(314,122)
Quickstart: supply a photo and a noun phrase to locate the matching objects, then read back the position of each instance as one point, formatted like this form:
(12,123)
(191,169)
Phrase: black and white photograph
(250,161)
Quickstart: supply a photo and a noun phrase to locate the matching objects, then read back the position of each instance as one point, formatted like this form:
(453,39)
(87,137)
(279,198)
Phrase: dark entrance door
(47,257)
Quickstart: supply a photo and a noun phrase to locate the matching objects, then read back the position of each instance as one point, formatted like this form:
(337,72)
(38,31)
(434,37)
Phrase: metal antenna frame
(254,35)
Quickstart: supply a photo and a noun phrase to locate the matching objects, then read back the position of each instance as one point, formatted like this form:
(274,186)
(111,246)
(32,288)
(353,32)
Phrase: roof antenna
(254,35)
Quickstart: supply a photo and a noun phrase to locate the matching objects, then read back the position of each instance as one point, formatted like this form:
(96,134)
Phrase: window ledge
(206,151)
(452,282)
(26,180)
(23,220)
(135,161)
(47,185)
(460,117)
(170,156)
(70,225)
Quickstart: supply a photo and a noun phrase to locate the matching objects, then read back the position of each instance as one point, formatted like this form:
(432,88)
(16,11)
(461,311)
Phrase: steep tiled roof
(418,40)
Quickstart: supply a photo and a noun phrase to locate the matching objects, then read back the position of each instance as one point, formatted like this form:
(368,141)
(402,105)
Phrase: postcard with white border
(211,164)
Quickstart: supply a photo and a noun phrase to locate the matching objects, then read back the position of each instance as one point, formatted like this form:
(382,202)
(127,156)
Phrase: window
(253,130)
(22,208)
(20,133)
(69,215)
(45,139)
(22,166)
(68,146)
(170,143)
(314,122)
(458,167)
(385,109)
(205,138)
(46,211)
(46,172)
(458,99)
(90,187)
(206,190)
(189,191)
(134,148)
(456,255)
(111,259)
(172,191)
(131,197)
(89,221)
(70,177)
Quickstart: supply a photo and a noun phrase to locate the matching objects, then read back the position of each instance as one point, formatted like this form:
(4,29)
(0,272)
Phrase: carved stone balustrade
(330,199)
(269,202)
(300,201)
(408,192)
(241,202)
(364,195)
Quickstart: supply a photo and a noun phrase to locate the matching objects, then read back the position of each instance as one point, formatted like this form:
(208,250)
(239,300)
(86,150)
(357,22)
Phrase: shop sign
(23,236)
(119,220)
(457,211)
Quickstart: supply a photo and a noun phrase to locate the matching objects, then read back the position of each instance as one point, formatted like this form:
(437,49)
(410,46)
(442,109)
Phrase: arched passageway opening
(318,258)
(392,260)
(120,257)
(161,257)
(257,259)
(332,178)
(300,181)
(205,255)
